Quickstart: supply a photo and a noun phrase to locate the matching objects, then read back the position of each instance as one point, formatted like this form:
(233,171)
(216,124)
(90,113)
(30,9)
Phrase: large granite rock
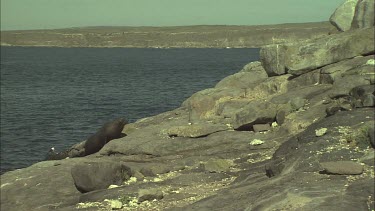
(364,14)
(302,57)
(343,16)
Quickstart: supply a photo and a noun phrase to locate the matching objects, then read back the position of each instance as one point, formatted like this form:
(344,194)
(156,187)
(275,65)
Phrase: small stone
(255,142)
(280,117)
(149,195)
(332,110)
(320,132)
(342,168)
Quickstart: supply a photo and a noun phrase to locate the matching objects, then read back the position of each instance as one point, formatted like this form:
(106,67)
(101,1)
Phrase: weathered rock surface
(299,58)
(334,71)
(205,155)
(364,14)
(217,165)
(249,75)
(343,16)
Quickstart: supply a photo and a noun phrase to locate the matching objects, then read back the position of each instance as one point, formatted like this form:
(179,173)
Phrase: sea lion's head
(113,129)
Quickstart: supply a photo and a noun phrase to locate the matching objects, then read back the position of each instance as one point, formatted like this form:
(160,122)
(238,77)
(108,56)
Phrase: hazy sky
(44,14)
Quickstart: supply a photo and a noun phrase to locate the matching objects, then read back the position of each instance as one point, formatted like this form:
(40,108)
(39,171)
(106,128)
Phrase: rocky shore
(168,37)
(294,131)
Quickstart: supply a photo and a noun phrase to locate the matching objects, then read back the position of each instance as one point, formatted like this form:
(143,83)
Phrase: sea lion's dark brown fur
(111,130)
(108,132)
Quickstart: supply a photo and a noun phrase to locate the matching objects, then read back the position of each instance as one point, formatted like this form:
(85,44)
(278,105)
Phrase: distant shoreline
(218,36)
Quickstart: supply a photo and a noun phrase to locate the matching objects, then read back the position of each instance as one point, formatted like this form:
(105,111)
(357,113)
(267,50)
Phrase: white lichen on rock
(115,204)
(88,205)
(274,124)
(370,62)
(255,142)
(113,186)
(130,180)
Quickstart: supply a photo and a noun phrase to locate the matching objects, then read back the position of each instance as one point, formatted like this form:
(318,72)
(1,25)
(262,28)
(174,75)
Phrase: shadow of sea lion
(109,131)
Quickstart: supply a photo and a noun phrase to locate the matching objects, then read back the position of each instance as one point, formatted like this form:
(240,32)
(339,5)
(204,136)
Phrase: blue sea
(60,96)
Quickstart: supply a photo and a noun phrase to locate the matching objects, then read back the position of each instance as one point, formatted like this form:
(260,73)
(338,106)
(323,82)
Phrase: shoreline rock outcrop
(290,138)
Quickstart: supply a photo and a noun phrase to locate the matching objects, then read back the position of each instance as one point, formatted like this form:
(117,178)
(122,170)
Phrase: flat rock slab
(342,168)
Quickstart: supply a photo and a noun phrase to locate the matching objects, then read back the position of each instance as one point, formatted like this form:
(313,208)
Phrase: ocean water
(60,96)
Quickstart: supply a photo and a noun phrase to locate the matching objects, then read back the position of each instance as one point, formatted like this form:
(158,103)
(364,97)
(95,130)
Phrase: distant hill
(168,37)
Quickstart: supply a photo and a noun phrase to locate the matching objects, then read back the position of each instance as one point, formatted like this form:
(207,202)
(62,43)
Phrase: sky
(50,14)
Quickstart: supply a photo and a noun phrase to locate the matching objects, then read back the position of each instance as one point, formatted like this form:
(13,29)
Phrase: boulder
(250,75)
(99,175)
(254,113)
(302,57)
(343,16)
(273,59)
(342,167)
(364,14)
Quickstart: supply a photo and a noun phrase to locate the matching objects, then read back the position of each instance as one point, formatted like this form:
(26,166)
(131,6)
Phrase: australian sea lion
(108,132)
(111,130)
